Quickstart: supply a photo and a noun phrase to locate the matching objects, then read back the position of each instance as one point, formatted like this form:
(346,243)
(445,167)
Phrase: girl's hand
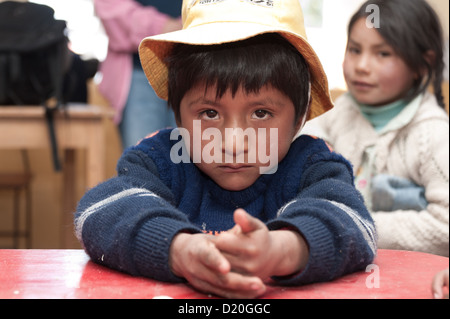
(440,282)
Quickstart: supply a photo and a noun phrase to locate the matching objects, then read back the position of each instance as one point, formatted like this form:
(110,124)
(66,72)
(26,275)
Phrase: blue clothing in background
(170,7)
(391,193)
(144,111)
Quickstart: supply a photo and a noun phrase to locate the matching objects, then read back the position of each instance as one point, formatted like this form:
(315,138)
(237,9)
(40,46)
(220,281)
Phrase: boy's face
(232,138)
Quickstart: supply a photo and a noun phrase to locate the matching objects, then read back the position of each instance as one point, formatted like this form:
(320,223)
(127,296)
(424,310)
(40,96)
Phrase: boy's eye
(210,114)
(261,114)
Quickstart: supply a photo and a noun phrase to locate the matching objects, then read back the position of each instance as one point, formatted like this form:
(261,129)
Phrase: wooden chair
(19,183)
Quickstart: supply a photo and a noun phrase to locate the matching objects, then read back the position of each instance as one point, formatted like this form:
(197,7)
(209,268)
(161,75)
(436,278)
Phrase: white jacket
(418,151)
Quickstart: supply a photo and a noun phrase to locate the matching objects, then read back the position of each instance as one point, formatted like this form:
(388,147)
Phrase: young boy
(205,202)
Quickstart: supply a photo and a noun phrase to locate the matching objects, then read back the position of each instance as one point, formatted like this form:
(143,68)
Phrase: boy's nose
(235,142)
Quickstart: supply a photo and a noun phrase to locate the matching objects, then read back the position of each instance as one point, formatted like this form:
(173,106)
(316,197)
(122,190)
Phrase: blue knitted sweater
(128,222)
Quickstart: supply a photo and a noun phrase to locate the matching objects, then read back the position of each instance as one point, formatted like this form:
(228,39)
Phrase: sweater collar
(381,115)
(391,116)
(239,199)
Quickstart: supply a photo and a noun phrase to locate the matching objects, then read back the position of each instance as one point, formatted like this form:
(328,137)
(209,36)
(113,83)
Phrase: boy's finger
(231,285)
(230,243)
(236,230)
(247,222)
(240,286)
(214,260)
(238,264)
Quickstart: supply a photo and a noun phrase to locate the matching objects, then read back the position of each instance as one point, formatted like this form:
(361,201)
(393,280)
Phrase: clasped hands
(236,263)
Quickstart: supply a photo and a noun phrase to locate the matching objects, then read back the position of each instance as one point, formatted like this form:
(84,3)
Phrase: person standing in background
(126,22)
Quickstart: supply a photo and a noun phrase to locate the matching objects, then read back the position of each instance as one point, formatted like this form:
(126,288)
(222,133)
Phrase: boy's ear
(299,123)
(302,120)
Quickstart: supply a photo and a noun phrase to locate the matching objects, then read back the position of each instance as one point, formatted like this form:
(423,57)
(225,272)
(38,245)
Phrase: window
(85,30)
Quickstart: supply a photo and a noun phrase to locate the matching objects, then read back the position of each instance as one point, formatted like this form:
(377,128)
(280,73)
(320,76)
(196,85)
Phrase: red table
(47,274)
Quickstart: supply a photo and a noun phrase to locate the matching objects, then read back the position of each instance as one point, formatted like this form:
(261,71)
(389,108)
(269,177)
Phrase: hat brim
(154,50)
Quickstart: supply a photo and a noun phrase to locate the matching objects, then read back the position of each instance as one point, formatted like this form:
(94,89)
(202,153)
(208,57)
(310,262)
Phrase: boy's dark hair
(412,29)
(266,59)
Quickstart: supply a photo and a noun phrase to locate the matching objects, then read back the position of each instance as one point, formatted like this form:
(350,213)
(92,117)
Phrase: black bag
(33,58)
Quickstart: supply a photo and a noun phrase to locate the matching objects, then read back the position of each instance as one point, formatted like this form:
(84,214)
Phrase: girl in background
(391,128)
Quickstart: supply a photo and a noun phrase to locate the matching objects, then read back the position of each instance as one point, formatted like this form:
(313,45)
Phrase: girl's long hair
(412,28)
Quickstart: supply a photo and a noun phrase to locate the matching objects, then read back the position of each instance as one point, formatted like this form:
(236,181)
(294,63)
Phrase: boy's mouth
(234,168)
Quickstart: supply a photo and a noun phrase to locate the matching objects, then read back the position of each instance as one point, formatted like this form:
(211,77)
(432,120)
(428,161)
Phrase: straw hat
(207,22)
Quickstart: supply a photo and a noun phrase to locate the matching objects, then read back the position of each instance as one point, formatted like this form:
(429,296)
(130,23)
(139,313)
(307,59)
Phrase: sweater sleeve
(330,214)
(128,222)
(426,156)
